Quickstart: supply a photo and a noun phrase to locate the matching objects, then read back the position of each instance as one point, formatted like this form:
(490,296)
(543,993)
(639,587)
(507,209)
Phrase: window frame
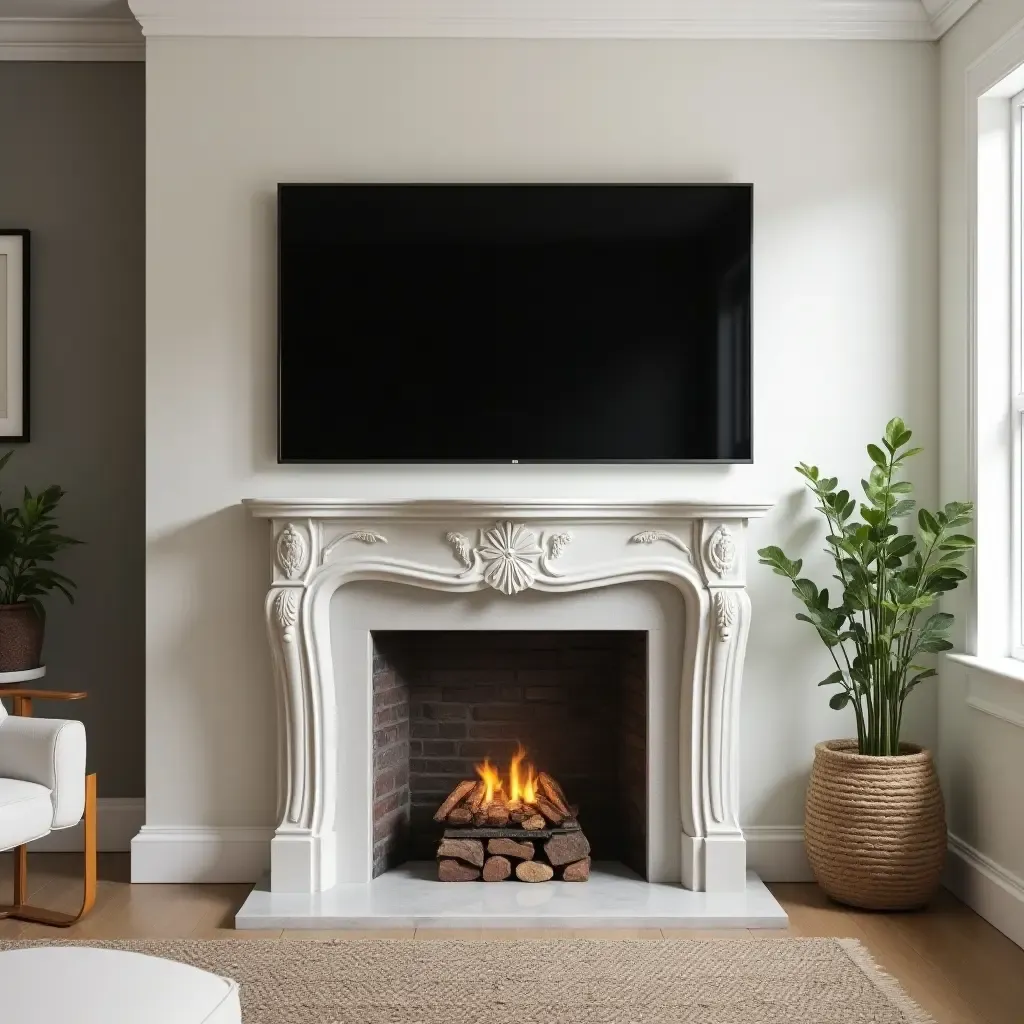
(1016,396)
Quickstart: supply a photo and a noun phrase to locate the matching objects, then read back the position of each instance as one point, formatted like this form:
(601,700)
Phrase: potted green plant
(29,543)
(875,826)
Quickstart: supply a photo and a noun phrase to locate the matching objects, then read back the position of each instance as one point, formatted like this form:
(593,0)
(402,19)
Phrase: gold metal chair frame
(20,909)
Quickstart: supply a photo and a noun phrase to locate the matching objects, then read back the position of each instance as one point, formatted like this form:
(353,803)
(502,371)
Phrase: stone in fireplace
(553,624)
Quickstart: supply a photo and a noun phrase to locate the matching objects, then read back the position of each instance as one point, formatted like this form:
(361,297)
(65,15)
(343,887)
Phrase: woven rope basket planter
(875,827)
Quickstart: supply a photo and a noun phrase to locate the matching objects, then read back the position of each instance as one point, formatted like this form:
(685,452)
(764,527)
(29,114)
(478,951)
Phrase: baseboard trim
(226,854)
(117,820)
(776,853)
(199,854)
(986,887)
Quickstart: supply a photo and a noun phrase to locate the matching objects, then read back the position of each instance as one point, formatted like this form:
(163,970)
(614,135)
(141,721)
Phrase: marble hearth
(345,571)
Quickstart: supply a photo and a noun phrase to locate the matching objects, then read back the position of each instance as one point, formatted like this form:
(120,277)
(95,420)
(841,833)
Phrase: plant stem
(882,672)
(836,529)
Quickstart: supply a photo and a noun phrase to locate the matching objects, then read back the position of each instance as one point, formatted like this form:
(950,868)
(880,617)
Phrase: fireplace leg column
(301,861)
(715,859)
(303,852)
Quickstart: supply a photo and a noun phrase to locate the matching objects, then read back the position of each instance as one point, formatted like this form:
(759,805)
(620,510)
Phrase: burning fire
(523,797)
(522,781)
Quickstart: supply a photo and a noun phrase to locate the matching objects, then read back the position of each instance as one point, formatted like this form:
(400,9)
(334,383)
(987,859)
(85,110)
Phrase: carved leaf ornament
(286,611)
(653,536)
(725,613)
(721,550)
(292,552)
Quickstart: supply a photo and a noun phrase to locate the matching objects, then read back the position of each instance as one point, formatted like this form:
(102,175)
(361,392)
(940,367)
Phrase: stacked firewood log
(497,839)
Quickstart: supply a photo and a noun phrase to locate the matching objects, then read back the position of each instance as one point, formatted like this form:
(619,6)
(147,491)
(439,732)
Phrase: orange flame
(492,780)
(522,780)
(522,789)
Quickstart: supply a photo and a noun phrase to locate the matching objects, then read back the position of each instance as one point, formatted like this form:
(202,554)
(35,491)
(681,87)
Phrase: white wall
(981,756)
(840,141)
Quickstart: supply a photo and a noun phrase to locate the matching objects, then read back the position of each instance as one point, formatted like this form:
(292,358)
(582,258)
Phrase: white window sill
(995,686)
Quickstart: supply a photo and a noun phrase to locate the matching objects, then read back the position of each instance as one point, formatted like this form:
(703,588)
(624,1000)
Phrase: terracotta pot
(21,637)
(875,827)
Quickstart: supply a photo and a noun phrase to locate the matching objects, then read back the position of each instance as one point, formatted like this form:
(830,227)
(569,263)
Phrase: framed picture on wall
(14,331)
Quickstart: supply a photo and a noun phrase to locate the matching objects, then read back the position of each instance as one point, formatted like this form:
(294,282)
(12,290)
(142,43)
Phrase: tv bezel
(440,461)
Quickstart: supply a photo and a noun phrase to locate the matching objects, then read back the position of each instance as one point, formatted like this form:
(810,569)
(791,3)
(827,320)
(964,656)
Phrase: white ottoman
(82,985)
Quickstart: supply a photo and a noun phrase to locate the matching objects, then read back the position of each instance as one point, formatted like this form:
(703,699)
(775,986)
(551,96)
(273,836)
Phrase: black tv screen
(514,323)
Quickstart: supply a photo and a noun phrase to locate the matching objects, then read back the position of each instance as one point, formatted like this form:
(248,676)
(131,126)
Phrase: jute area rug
(574,981)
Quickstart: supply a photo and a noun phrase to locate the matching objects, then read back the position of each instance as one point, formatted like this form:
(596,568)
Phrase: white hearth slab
(411,897)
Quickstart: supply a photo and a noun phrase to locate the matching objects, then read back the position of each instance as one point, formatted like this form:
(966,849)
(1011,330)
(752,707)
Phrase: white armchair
(43,787)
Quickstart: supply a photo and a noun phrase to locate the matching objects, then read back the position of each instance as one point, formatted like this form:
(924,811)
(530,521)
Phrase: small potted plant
(29,542)
(875,827)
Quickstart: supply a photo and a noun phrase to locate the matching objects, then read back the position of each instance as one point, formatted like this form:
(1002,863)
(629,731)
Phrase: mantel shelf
(542,508)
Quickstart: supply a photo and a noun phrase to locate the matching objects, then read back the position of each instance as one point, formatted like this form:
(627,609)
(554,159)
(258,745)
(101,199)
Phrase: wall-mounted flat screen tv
(514,323)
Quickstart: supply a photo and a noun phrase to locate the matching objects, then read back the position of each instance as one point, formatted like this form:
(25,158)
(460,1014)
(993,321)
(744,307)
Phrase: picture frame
(14,334)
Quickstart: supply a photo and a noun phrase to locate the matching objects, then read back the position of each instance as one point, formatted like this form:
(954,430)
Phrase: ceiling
(110,29)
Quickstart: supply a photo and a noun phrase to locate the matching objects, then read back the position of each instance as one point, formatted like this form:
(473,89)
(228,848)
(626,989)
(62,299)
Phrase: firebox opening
(443,701)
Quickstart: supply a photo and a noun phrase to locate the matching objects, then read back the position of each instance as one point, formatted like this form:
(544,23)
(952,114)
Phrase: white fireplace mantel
(508,547)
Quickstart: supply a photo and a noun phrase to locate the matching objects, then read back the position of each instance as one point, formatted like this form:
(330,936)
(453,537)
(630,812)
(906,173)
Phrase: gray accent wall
(72,171)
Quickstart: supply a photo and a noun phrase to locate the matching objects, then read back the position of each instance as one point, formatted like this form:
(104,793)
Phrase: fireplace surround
(344,571)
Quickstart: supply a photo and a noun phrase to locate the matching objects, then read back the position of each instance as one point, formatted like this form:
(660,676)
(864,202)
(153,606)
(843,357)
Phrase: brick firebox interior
(445,700)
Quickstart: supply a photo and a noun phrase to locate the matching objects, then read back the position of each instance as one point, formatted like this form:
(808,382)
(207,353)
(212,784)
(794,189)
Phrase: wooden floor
(957,966)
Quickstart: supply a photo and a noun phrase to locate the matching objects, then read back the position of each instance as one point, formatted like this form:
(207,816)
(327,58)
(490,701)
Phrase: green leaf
(902,545)
(907,454)
(928,673)
(950,572)
(934,646)
(829,636)
(878,456)
(940,584)
(806,590)
(894,430)
(958,513)
(956,540)
(940,622)
(835,677)
(927,522)
(838,701)
(931,639)
(776,558)
(871,515)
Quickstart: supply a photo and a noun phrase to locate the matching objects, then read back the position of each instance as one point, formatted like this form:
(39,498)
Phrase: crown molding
(71,39)
(540,19)
(944,14)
